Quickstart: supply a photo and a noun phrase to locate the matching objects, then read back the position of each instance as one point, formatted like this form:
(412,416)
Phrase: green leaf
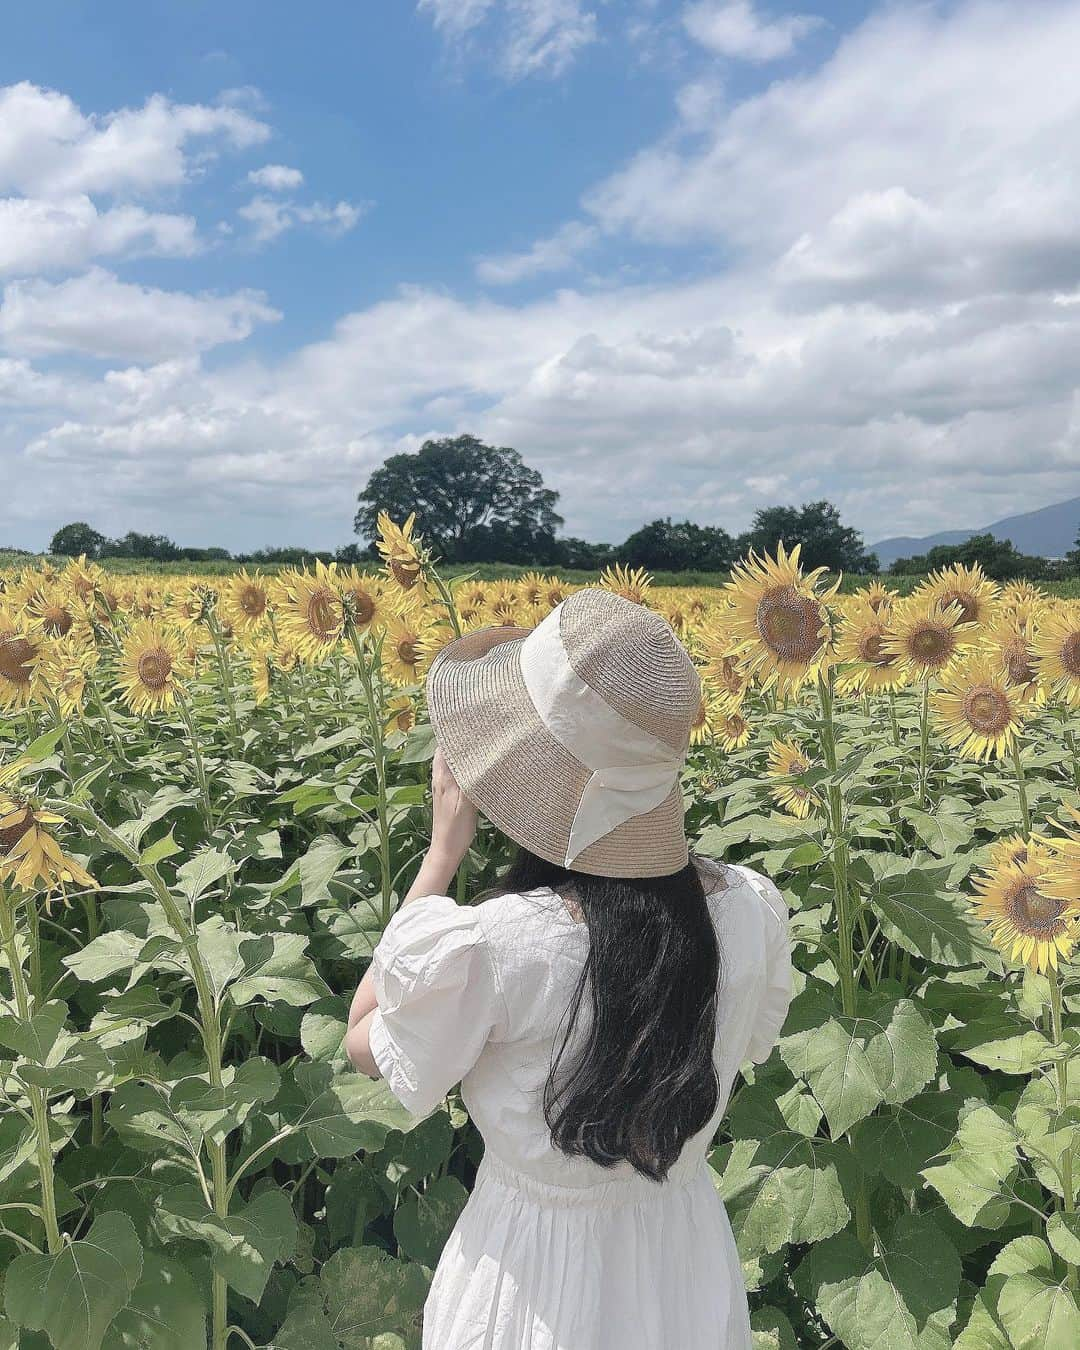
(998,1042)
(346,1112)
(216,1111)
(277,969)
(110,954)
(1023,1305)
(1063,1232)
(367,1292)
(902,1298)
(244,1246)
(165,847)
(920,913)
(323,1029)
(1048,1134)
(886,1053)
(899,1142)
(978,1161)
(141,1116)
(423,1223)
(307,1326)
(34,1037)
(74,1295)
(165,1312)
(200,872)
(771,1330)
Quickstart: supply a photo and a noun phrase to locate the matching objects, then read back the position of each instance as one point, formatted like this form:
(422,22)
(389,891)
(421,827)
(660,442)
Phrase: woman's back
(481,994)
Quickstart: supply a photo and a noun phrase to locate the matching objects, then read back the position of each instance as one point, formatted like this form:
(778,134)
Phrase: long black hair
(644,1080)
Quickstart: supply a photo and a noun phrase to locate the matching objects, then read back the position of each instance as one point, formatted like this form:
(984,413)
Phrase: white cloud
(276,178)
(63,234)
(527,37)
(895,324)
(98,315)
(48,148)
(734,28)
(272,216)
(557,253)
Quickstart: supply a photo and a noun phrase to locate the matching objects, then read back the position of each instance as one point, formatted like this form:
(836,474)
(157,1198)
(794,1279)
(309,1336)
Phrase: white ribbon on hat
(632,770)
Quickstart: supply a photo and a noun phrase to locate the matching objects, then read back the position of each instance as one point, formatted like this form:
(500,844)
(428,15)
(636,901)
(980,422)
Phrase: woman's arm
(454,821)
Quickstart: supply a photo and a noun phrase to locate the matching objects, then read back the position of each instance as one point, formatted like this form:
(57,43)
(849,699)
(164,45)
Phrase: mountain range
(1047,533)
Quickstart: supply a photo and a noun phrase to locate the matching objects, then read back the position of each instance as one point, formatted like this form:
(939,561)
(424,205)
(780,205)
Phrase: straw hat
(570,736)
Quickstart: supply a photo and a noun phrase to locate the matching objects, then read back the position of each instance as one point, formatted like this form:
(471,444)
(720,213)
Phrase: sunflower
(532,587)
(64,665)
(260,655)
(733,731)
(403,652)
(471,593)
(30,857)
(632,583)
(20,648)
(504,604)
(1055,650)
(400,713)
(1010,848)
(82,578)
(860,641)
(154,661)
(978,711)
(922,638)
(52,611)
(968,587)
(366,600)
(310,611)
(244,602)
(557,591)
(786,758)
(1025,920)
(877,595)
(188,605)
(404,556)
(779,619)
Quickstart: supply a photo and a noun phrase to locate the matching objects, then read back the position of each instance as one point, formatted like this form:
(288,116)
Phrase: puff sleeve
(775,996)
(438,1000)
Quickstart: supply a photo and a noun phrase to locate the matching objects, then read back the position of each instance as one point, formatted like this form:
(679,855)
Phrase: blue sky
(689,258)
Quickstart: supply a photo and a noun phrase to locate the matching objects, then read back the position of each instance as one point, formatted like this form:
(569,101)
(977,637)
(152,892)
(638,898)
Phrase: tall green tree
(681,547)
(817,527)
(72,541)
(473,502)
(998,558)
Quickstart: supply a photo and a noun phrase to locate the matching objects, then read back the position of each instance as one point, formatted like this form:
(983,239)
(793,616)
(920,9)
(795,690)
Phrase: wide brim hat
(570,736)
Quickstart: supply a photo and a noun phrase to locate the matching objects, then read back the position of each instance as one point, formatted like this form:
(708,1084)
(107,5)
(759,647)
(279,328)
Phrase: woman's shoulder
(737,886)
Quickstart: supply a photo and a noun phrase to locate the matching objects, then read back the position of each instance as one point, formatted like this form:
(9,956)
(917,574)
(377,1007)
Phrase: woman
(582,1006)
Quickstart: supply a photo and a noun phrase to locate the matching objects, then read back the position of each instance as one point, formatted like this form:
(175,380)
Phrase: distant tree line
(478,503)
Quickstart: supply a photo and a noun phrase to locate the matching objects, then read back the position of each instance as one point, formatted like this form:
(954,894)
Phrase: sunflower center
(155,667)
(967,602)
(16,654)
(870,649)
(322,618)
(1070,654)
(986,709)
(1034,914)
(931,644)
(405,572)
(699,720)
(56,621)
(1017,662)
(253,601)
(363,606)
(11,834)
(406,650)
(788,623)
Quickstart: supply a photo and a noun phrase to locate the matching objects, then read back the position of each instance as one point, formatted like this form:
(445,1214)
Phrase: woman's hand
(454,817)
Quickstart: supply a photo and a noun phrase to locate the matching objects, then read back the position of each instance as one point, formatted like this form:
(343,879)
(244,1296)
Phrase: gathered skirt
(621,1265)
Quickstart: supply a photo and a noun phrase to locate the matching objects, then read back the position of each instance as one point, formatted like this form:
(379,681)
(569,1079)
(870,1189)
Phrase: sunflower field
(213,791)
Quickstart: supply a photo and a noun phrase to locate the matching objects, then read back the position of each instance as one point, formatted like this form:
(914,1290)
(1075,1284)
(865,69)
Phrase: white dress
(553,1252)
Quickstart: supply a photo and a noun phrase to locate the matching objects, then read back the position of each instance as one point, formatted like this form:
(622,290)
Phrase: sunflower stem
(103,708)
(1021,785)
(924,741)
(196,755)
(1062,1068)
(447,599)
(892,719)
(226,678)
(39,1106)
(367,666)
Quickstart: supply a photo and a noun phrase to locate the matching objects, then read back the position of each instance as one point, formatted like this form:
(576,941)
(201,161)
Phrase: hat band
(632,770)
